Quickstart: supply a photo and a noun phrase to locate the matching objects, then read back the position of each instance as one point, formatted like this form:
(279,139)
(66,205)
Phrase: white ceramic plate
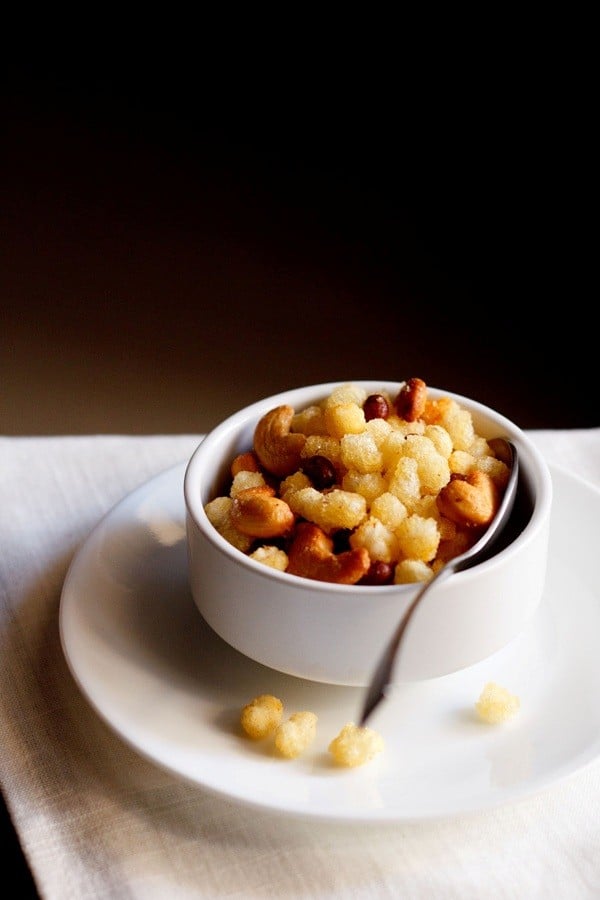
(153,670)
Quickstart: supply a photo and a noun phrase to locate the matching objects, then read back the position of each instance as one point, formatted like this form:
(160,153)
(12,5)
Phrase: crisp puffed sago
(356,745)
(394,485)
(262,716)
(496,704)
(296,734)
(271,556)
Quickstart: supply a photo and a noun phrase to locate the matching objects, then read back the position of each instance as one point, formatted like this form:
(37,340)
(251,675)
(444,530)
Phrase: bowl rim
(533,467)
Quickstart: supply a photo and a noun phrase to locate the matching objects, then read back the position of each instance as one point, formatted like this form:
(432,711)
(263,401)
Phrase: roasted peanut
(379,573)
(376,407)
(411,399)
(321,471)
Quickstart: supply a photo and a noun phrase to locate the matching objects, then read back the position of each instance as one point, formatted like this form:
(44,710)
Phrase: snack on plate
(355,745)
(295,735)
(261,716)
(496,704)
(362,488)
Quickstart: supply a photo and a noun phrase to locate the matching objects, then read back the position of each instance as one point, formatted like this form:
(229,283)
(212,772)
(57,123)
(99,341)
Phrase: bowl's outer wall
(338,639)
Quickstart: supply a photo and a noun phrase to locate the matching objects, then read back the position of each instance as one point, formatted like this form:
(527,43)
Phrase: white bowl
(336,633)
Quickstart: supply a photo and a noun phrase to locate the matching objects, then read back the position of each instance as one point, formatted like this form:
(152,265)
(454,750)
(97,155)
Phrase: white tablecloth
(96,820)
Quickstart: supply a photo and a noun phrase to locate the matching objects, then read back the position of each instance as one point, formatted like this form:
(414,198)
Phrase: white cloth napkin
(96,820)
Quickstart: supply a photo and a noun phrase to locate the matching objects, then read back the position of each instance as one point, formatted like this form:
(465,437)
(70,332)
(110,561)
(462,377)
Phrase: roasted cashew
(311,555)
(278,449)
(469,500)
(258,513)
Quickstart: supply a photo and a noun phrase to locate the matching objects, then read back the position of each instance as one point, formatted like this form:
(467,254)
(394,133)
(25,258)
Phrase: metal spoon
(506,451)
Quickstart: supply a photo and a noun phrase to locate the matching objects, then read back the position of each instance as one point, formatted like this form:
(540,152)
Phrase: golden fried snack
(496,704)
(362,489)
(355,745)
(261,716)
(295,735)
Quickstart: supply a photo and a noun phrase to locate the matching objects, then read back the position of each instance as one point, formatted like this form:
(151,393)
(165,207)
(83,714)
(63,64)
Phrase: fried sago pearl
(496,704)
(261,716)
(355,745)
(295,735)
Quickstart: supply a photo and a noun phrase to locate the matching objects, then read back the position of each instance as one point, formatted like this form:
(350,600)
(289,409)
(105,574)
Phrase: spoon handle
(382,674)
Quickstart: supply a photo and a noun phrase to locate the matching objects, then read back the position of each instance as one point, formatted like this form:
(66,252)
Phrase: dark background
(169,254)
(174,246)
